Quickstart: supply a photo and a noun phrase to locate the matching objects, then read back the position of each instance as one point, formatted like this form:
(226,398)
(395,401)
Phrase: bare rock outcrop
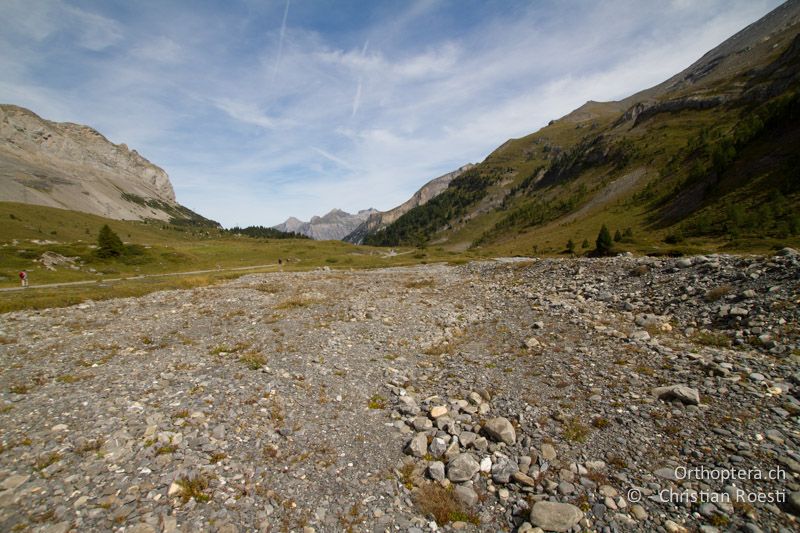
(72,166)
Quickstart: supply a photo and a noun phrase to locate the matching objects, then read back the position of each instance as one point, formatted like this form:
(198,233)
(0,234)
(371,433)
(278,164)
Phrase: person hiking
(23,277)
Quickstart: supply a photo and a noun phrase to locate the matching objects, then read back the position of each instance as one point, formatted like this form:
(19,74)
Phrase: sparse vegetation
(712,338)
(575,430)
(377,402)
(439,503)
(194,487)
(253,360)
(717,293)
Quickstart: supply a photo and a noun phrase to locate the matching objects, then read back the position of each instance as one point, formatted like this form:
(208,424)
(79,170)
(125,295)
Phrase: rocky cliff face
(71,166)
(379,220)
(334,225)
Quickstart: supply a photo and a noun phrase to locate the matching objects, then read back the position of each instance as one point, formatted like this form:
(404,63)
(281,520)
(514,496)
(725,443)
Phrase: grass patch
(90,446)
(711,338)
(575,430)
(19,388)
(194,487)
(435,501)
(68,378)
(166,448)
(253,360)
(377,402)
(46,460)
(717,293)
(217,457)
(419,284)
(297,302)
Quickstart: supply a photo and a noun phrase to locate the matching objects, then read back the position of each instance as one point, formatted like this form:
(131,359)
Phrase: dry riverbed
(609,395)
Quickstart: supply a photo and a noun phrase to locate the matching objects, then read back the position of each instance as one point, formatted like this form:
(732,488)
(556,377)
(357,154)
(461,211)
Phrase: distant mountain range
(74,167)
(379,220)
(334,225)
(710,154)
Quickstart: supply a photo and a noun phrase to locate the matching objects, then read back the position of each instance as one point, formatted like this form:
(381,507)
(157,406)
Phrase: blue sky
(260,110)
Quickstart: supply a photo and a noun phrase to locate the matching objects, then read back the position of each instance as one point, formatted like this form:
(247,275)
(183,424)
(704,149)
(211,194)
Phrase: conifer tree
(604,245)
(109,244)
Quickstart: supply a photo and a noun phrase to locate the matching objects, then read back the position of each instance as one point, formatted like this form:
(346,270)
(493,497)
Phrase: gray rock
(422,423)
(466,495)
(462,467)
(437,447)
(503,469)
(436,470)
(682,393)
(552,516)
(501,430)
(407,406)
(638,512)
(418,445)
(548,452)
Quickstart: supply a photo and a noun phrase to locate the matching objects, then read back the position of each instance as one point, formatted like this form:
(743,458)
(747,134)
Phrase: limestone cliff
(72,166)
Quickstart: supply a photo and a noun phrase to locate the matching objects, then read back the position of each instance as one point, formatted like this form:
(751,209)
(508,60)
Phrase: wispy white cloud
(257,116)
(281,37)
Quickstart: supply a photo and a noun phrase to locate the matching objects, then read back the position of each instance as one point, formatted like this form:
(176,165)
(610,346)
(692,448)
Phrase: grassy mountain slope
(705,160)
(154,251)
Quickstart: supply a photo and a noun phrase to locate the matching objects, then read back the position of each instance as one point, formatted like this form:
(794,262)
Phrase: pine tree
(570,246)
(604,244)
(617,236)
(585,243)
(109,244)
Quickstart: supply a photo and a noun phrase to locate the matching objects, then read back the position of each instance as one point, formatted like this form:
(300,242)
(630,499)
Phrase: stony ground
(560,394)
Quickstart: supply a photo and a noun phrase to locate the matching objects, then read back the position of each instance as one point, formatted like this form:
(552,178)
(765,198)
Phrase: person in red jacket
(23,277)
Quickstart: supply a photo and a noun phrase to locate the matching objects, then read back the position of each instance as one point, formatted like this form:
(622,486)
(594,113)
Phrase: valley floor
(328,400)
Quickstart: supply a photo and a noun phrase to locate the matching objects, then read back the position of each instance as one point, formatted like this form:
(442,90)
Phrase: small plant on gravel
(216,457)
(90,446)
(377,402)
(253,360)
(617,461)
(719,520)
(19,389)
(717,293)
(600,422)
(575,430)
(166,448)
(46,460)
(270,451)
(406,473)
(183,413)
(296,302)
(194,487)
(710,338)
(7,340)
(441,504)
(419,284)
(639,271)
(269,287)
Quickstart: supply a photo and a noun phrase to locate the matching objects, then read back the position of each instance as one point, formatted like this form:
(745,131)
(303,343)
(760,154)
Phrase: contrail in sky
(280,40)
(357,98)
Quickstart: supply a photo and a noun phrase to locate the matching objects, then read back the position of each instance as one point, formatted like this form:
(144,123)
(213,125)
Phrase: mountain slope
(709,154)
(74,167)
(334,225)
(380,220)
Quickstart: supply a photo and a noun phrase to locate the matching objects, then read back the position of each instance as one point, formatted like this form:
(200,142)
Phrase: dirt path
(108,280)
